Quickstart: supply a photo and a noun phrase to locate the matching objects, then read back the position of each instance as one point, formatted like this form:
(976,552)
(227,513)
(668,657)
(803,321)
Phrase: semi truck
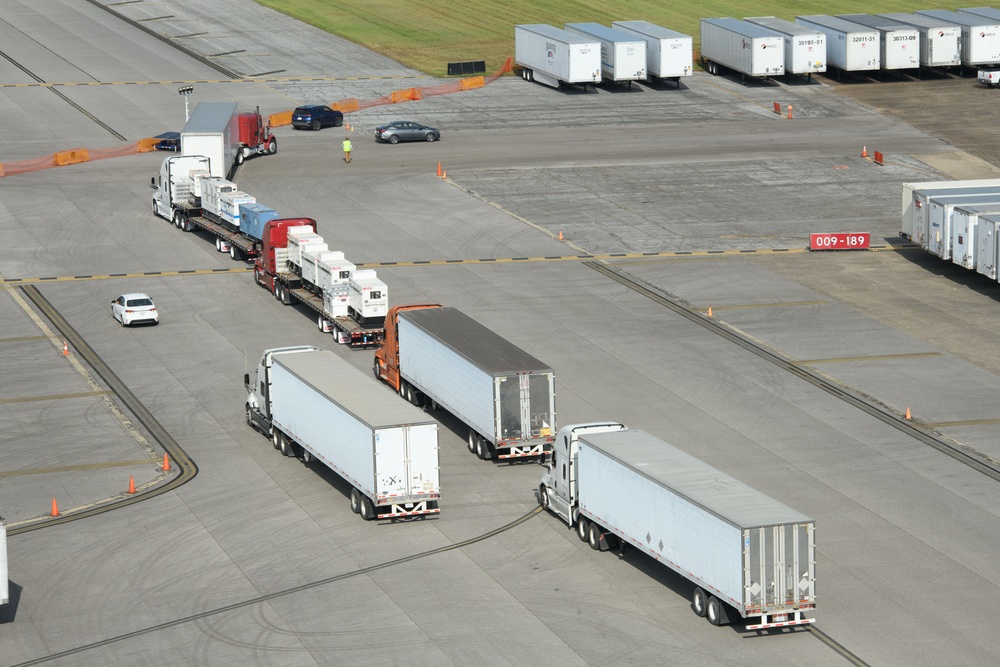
(669,54)
(805,48)
(441,357)
(899,43)
(940,41)
(225,136)
(745,48)
(980,41)
(315,405)
(296,266)
(623,56)
(748,555)
(553,56)
(850,47)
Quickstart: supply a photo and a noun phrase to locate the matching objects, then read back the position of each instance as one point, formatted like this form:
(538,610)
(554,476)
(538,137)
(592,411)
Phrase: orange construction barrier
(472,83)
(777,108)
(75,156)
(280,119)
(346,106)
(879,159)
(147,145)
(65,349)
(1,170)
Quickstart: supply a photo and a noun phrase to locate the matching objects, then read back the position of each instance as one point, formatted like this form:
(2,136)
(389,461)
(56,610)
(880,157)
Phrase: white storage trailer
(213,130)
(805,48)
(551,56)
(320,407)
(911,206)
(742,47)
(942,208)
(743,551)
(900,44)
(980,36)
(669,54)
(988,245)
(849,47)
(940,41)
(964,221)
(623,56)
(922,209)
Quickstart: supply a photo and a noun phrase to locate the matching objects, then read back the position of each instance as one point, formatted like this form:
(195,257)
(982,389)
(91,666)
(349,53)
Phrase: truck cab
(175,185)
(274,241)
(559,487)
(258,405)
(386,365)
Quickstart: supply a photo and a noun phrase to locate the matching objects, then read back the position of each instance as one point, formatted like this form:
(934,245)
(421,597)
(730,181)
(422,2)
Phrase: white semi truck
(553,56)
(315,405)
(748,555)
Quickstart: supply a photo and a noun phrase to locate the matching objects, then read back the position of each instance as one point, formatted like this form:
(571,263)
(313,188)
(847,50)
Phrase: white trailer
(4,581)
(623,56)
(805,48)
(964,220)
(911,210)
(551,56)
(900,44)
(988,245)
(213,130)
(849,47)
(315,405)
(980,36)
(744,551)
(742,47)
(941,218)
(940,41)
(669,54)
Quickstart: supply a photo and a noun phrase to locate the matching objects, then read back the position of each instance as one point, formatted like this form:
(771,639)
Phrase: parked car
(316,116)
(134,308)
(406,130)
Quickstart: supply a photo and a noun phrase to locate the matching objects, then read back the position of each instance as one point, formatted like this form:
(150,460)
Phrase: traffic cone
(55,507)
(131,485)
(710,311)
(864,151)
(907,413)
(348,127)
(444,174)
(65,349)
(439,170)
(560,235)
(166,463)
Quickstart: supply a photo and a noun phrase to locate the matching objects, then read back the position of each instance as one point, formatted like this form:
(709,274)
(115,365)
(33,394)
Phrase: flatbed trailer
(290,289)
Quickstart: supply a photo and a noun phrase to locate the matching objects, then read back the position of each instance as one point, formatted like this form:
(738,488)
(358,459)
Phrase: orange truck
(439,357)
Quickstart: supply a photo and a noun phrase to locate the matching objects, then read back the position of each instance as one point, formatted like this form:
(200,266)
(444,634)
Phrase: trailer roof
(877,22)
(918,20)
(650,29)
(988,12)
(740,27)
(483,347)
(711,489)
(783,26)
(210,117)
(357,392)
(603,32)
(958,18)
(559,34)
(835,23)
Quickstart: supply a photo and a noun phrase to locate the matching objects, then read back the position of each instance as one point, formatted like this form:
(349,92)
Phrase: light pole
(185,91)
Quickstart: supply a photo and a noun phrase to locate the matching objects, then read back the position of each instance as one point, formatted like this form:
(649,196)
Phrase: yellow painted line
(880,357)
(779,304)
(120,276)
(21,339)
(54,397)
(76,468)
(253,79)
(968,422)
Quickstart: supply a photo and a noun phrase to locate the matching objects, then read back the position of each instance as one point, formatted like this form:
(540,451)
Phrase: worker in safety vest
(347,150)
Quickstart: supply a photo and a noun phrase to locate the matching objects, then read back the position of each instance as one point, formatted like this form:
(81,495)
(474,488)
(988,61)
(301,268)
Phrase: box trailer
(805,48)
(742,47)
(941,218)
(552,56)
(4,580)
(623,56)
(940,41)
(669,54)
(213,131)
(964,220)
(980,42)
(912,206)
(315,405)
(441,357)
(900,43)
(744,551)
(849,47)
(988,245)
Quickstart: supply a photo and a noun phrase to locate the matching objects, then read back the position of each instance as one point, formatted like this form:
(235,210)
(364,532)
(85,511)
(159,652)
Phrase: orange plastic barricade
(472,82)
(147,145)
(63,158)
(1,170)
(280,119)
(346,106)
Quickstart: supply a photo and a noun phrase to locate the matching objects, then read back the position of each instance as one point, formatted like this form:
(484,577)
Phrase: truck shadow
(945,268)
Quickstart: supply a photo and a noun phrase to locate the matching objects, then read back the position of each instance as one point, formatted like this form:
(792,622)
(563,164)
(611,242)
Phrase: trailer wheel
(543,497)
(319,322)
(699,602)
(235,253)
(582,529)
(241,156)
(307,456)
(472,441)
(594,536)
(481,450)
(367,510)
(286,446)
(272,146)
(714,611)
(355,501)
(276,438)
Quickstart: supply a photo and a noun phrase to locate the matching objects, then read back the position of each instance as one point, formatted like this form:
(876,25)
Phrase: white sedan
(132,308)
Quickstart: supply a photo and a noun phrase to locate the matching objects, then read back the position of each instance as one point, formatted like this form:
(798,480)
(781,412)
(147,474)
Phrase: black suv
(316,116)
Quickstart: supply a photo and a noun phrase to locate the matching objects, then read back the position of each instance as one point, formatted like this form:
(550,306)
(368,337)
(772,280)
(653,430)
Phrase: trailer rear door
(779,566)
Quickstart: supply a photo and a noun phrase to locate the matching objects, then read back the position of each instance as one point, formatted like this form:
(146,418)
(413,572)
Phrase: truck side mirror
(246,379)
(152,183)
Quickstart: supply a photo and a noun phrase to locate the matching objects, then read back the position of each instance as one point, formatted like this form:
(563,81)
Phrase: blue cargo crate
(253,217)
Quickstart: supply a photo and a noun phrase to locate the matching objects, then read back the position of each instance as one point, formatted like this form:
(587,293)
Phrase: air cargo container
(911,206)
(940,41)
(849,47)
(988,245)
(940,219)
(964,220)
(805,48)
(441,357)
(900,43)
(315,405)
(623,56)
(980,40)
(4,581)
(748,555)
(552,56)
(669,54)
(742,47)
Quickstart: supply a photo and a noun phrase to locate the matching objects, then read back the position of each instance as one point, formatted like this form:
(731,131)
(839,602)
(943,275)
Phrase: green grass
(428,34)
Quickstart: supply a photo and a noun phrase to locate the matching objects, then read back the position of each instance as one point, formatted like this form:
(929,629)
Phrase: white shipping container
(551,55)
(310,261)
(939,234)
(980,41)
(964,220)
(623,56)
(229,205)
(743,47)
(988,245)
(385,447)
(849,47)
(743,547)
(940,41)
(669,54)
(368,298)
(213,131)
(805,48)
(910,213)
(900,44)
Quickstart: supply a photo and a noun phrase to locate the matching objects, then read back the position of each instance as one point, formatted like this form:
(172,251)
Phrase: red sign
(840,241)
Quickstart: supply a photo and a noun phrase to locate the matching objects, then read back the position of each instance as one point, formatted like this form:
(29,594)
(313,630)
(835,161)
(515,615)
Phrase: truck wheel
(155,212)
(355,501)
(367,510)
(240,156)
(272,146)
(582,529)
(699,602)
(481,450)
(319,322)
(277,291)
(714,611)
(256,277)
(378,376)
(594,536)
(276,438)
(286,446)
(543,497)
(249,418)
(472,441)
(307,456)
(218,244)
(235,253)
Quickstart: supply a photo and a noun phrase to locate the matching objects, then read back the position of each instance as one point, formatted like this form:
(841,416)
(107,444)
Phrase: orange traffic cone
(348,126)
(439,170)
(560,235)
(709,311)
(55,507)
(166,463)
(65,349)
(907,413)
(864,151)
(131,485)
